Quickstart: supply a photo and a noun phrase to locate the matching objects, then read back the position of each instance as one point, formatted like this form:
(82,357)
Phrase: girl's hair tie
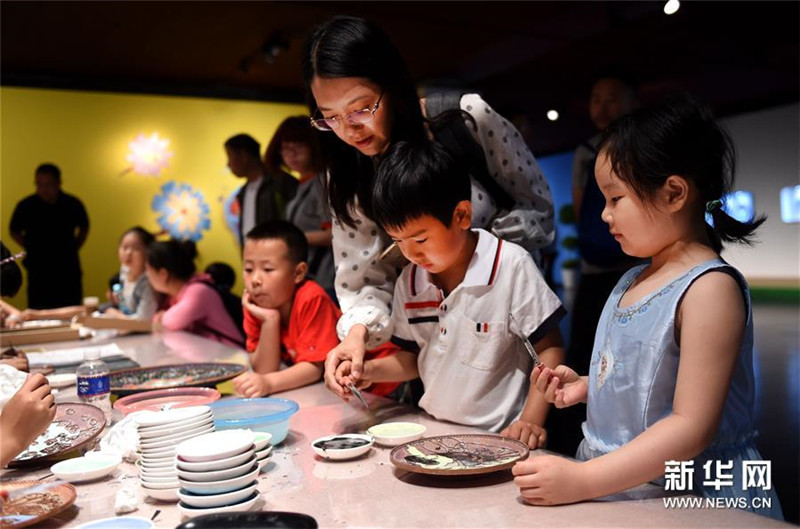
(711,205)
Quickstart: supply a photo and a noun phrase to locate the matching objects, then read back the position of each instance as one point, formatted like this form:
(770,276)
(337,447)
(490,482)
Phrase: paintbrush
(358,395)
(12,258)
(526,342)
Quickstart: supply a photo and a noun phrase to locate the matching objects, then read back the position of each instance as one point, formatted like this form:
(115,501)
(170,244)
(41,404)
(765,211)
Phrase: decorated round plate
(74,426)
(456,455)
(128,381)
(165,399)
(33,508)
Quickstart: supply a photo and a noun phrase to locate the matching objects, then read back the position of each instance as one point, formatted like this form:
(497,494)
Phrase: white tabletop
(370,491)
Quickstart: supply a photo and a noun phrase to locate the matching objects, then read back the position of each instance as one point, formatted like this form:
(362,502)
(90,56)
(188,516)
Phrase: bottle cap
(91,354)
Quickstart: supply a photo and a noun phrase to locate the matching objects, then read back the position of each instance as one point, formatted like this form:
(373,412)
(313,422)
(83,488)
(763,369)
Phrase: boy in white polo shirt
(452,302)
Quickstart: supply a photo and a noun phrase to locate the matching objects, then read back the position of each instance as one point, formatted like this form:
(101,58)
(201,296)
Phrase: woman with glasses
(295,147)
(360,92)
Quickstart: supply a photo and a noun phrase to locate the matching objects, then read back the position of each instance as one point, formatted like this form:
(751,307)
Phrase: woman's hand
(26,415)
(531,434)
(561,386)
(252,385)
(260,313)
(551,480)
(352,349)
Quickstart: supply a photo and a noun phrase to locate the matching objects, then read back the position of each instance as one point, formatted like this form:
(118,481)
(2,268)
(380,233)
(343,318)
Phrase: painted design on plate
(459,454)
(173,376)
(183,211)
(32,508)
(73,425)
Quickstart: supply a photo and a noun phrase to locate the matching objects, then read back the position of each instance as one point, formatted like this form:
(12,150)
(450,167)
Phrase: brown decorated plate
(128,381)
(458,455)
(33,508)
(74,426)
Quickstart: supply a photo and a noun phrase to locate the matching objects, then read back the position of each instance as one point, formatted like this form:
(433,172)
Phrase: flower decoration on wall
(230,208)
(149,154)
(183,212)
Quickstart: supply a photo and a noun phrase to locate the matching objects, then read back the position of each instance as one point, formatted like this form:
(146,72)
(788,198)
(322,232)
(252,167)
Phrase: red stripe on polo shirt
(422,305)
(496,261)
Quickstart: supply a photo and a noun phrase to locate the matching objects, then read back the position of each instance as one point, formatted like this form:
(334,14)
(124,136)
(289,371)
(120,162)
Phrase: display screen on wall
(739,205)
(790,204)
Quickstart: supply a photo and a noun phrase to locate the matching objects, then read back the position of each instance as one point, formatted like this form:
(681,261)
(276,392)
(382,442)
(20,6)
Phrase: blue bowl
(269,415)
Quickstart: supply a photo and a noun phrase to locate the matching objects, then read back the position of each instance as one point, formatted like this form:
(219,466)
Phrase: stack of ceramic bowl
(218,472)
(159,434)
(263,449)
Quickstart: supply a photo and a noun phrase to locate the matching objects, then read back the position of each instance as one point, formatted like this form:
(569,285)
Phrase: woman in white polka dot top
(358,88)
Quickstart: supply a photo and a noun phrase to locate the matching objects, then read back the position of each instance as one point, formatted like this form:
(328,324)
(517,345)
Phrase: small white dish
(160,486)
(244,505)
(162,494)
(262,463)
(396,433)
(216,445)
(80,469)
(339,446)
(262,440)
(264,453)
(219,487)
(118,522)
(159,453)
(62,380)
(172,429)
(175,432)
(157,463)
(173,440)
(173,417)
(207,466)
(218,475)
(216,500)
(158,480)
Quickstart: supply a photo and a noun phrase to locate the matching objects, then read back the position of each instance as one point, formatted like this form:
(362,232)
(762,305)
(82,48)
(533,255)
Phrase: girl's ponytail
(727,229)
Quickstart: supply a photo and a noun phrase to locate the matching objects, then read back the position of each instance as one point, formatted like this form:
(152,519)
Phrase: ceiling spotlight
(552,115)
(274,46)
(671,7)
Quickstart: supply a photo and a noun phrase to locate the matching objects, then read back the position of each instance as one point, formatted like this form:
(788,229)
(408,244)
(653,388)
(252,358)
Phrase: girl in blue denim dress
(671,385)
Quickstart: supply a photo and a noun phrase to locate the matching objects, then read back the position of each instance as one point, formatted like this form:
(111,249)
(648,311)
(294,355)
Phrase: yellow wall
(87,134)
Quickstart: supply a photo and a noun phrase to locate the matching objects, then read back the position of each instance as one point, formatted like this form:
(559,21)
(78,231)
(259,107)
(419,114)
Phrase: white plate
(129,522)
(157,461)
(62,380)
(264,453)
(153,481)
(262,463)
(173,416)
(343,453)
(216,500)
(147,485)
(216,445)
(219,487)
(173,440)
(396,433)
(163,433)
(207,466)
(217,475)
(85,468)
(246,505)
(160,473)
(262,440)
(162,494)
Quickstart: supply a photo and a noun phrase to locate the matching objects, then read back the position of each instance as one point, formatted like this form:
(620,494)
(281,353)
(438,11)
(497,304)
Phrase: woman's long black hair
(679,137)
(346,46)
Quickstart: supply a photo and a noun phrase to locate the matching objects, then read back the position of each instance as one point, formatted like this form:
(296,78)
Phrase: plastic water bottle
(121,301)
(94,384)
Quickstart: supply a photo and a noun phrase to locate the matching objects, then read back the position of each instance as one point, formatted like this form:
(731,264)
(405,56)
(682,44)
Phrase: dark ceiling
(524,57)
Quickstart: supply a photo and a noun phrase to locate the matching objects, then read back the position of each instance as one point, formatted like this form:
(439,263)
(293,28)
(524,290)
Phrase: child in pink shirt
(195,305)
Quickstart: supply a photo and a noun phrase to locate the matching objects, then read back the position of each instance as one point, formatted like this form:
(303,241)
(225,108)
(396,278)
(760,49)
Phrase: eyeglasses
(357,117)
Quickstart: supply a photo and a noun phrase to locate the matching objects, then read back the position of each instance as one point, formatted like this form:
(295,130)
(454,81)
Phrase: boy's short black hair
(416,179)
(246,143)
(51,169)
(294,238)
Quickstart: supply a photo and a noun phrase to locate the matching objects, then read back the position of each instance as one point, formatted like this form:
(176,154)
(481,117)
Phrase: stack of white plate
(263,449)
(217,472)
(159,434)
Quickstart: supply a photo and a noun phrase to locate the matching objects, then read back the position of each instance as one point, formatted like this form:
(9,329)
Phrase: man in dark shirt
(52,226)
(265,195)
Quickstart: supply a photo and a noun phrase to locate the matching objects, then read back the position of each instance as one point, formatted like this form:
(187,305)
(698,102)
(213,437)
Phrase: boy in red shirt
(287,317)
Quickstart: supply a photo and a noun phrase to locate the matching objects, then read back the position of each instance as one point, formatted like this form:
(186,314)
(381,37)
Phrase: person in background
(266,193)
(602,260)
(464,304)
(295,147)
(672,375)
(194,303)
(222,274)
(52,226)
(288,317)
(25,416)
(133,299)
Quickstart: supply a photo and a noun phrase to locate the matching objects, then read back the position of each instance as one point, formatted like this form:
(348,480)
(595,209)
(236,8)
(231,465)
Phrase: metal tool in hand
(358,395)
(526,342)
